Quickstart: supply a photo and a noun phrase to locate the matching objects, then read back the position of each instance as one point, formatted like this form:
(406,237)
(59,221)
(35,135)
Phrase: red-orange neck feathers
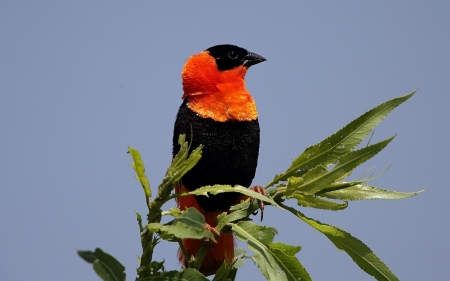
(220,95)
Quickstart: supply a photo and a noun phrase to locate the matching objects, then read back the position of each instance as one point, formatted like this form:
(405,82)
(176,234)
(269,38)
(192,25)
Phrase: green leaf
(154,268)
(188,274)
(357,250)
(139,168)
(139,219)
(227,272)
(347,163)
(295,182)
(287,249)
(341,185)
(263,234)
(274,260)
(216,189)
(181,164)
(297,271)
(105,265)
(316,202)
(343,141)
(239,256)
(174,212)
(309,179)
(237,212)
(194,221)
(148,242)
(223,272)
(190,224)
(154,227)
(365,192)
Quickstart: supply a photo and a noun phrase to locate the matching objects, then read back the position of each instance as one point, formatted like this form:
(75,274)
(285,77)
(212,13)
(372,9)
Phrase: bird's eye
(233,55)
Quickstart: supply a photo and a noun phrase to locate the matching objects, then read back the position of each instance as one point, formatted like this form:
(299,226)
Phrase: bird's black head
(229,56)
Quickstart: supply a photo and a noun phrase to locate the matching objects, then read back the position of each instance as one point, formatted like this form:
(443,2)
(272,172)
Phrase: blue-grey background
(82,80)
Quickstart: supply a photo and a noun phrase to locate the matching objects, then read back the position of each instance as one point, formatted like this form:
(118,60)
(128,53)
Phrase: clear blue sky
(82,80)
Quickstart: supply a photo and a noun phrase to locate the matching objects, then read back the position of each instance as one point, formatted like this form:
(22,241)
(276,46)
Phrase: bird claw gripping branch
(259,189)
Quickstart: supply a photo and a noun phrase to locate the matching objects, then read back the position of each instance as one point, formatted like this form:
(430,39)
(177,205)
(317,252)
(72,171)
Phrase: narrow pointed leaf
(216,189)
(174,212)
(190,224)
(264,234)
(105,265)
(191,217)
(330,149)
(317,203)
(237,212)
(139,168)
(309,179)
(356,249)
(274,263)
(139,220)
(346,163)
(287,249)
(181,164)
(227,272)
(183,152)
(239,257)
(290,261)
(222,273)
(295,182)
(366,192)
(341,185)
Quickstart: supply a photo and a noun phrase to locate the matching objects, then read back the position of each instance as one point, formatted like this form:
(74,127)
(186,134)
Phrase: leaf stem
(201,254)
(183,249)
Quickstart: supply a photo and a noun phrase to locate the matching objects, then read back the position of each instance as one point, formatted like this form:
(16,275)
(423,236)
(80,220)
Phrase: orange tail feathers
(221,251)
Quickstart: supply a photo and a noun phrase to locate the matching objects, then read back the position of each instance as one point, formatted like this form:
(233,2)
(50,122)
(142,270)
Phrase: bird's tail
(221,251)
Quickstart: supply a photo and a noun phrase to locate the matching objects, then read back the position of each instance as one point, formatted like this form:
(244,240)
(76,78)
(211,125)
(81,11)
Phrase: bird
(219,113)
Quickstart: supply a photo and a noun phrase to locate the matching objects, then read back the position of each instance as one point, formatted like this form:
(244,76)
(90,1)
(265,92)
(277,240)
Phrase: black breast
(230,154)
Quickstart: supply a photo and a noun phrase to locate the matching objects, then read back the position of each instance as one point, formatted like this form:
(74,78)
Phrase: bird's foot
(259,189)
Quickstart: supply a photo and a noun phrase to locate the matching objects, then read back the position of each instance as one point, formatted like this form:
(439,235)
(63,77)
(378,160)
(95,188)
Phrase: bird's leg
(259,189)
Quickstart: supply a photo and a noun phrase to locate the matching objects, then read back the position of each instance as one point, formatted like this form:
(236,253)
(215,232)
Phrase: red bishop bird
(218,112)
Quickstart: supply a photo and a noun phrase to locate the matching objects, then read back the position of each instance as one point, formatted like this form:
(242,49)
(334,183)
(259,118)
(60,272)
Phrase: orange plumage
(220,95)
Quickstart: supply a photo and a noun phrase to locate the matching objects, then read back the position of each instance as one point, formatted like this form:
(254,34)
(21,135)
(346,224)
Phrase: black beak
(251,59)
